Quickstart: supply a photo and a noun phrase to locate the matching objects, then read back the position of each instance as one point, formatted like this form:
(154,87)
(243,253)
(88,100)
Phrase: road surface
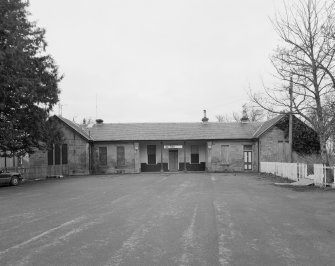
(165,219)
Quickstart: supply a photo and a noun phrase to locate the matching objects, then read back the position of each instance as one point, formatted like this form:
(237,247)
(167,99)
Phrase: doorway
(173,160)
(247,160)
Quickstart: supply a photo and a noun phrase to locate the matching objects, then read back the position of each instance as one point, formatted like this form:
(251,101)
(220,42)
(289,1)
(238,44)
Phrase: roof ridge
(200,123)
(270,122)
(258,128)
(76,127)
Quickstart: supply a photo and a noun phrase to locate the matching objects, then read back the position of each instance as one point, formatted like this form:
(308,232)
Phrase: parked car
(10,177)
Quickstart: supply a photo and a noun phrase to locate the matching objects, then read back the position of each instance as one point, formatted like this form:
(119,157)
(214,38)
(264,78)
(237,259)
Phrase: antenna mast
(96,106)
(60,109)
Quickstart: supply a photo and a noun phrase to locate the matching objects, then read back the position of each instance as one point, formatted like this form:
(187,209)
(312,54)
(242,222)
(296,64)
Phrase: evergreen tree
(28,80)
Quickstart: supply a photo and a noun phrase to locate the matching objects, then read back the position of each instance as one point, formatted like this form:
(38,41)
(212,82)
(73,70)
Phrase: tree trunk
(323,149)
(321,124)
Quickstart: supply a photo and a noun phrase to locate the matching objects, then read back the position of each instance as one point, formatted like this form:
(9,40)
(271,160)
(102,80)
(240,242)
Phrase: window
(225,154)
(151,154)
(247,147)
(20,160)
(120,156)
(57,154)
(247,160)
(195,154)
(64,153)
(103,155)
(50,157)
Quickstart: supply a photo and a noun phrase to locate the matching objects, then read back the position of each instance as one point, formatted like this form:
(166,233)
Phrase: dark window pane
(152,149)
(64,154)
(194,149)
(151,154)
(103,155)
(50,157)
(194,158)
(57,154)
(194,154)
(120,156)
(151,158)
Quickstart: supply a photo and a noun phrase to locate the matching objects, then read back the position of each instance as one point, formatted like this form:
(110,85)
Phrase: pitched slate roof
(173,131)
(267,125)
(75,127)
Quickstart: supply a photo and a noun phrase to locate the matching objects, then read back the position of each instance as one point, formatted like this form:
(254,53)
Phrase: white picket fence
(298,171)
(323,173)
(291,171)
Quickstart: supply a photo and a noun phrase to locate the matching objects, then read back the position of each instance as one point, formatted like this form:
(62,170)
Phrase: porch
(173,156)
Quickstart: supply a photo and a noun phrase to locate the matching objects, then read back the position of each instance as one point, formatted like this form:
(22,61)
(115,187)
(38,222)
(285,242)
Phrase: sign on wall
(173,146)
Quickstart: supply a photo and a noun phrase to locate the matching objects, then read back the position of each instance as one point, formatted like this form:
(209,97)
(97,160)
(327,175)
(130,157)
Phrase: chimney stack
(99,121)
(245,118)
(205,119)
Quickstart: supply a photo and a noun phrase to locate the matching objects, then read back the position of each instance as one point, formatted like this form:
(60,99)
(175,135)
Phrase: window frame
(120,161)
(195,155)
(151,154)
(247,147)
(102,160)
(227,161)
(247,164)
(51,156)
(57,154)
(65,153)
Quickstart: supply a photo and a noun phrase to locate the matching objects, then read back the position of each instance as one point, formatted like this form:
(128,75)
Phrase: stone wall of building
(78,157)
(235,157)
(78,152)
(269,146)
(38,158)
(132,159)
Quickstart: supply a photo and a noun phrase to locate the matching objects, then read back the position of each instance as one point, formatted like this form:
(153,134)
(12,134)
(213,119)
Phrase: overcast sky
(157,61)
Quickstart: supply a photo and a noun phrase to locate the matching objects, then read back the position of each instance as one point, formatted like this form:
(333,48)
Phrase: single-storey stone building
(161,147)
(72,157)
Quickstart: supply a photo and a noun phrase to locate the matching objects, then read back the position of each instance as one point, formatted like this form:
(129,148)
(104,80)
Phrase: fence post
(324,175)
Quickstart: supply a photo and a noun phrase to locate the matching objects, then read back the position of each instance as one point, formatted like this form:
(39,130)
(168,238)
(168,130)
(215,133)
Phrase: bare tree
(306,59)
(219,118)
(236,117)
(254,113)
(87,122)
(223,118)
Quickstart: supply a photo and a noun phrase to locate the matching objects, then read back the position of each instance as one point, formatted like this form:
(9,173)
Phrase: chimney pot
(99,121)
(205,119)
(245,118)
